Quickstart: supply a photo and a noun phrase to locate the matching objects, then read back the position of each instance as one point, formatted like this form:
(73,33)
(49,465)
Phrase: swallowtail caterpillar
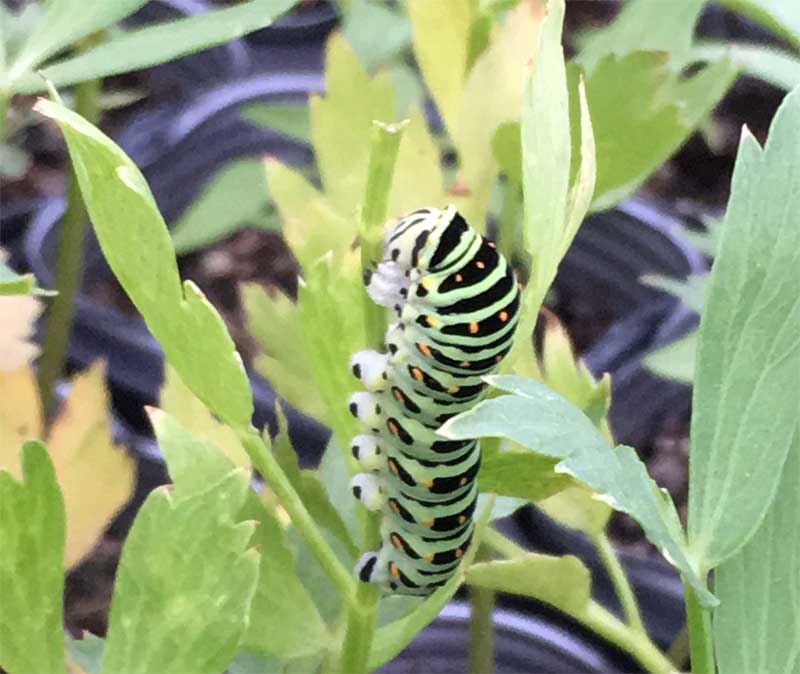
(456,301)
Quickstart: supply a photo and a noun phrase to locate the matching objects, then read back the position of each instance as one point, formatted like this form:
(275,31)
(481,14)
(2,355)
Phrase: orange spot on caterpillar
(473,328)
(503,316)
(428,484)
(424,349)
(458,553)
(428,558)
(393,505)
(492,244)
(393,467)
(394,569)
(430,320)
(462,519)
(464,363)
(480,264)
(392,426)
(398,394)
(396,541)
(417,374)
(459,278)
(454,389)
(462,482)
(427,523)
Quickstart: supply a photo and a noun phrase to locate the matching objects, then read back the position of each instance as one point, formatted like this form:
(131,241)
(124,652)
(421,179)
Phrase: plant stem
(273,474)
(604,623)
(5,100)
(502,544)
(509,241)
(678,650)
(69,265)
(361,617)
(481,628)
(619,579)
(698,620)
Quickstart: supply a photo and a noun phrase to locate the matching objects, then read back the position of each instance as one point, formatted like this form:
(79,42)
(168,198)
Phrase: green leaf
(247,662)
(642,113)
(778,67)
(151,45)
(341,124)
(138,248)
(520,474)
(235,197)
(644,25)
(291,120)
(283,619)
(578,508)
(507,150)
(675,361)
(62,25)
(691,291)
(757,624)
(563,582)
(334,472)
(12,283)
(376,32)
(181,601)
(87,652)
(780,16)
(748,358)
(33,531)
(441,37)
(543,421)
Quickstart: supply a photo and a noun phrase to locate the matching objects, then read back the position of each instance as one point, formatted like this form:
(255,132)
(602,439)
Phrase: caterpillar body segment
(456,303)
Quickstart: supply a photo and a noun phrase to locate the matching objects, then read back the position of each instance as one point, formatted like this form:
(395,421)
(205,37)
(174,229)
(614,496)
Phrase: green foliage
(757,624)
(519,474)
(563,582)
(33,531)
(12,283)
(187,596)
(748,356)
(376,31)
(778,15)
(127,221)
(541,420)
(87,652)
(128,50)
(235,197)
(290,120)
(778,67)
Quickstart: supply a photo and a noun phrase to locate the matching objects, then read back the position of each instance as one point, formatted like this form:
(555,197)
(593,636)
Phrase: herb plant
(200,588)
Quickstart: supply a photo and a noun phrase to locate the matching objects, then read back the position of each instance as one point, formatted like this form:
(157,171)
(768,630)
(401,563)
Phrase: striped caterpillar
(456,302)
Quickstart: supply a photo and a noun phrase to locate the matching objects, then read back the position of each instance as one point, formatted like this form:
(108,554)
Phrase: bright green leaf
(757,624)
(778,67)
(283,619)
(151,45)
(563,582)
(520,474)
(181,602)
(578,508)
(291,120)
(440,36)
(543,421)
(235,197)
(743,412)
(33,531)
(12,283)
(138,249)
(644,25)
(507,150)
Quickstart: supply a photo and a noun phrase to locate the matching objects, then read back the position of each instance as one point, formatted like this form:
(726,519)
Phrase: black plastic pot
(524,642)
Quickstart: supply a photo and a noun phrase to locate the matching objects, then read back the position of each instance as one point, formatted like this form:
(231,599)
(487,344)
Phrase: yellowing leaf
(186,407)
(17,316)
(95,476)
(20,414)
(577,508)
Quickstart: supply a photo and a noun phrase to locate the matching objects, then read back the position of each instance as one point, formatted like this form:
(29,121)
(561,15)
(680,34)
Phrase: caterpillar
(456,300)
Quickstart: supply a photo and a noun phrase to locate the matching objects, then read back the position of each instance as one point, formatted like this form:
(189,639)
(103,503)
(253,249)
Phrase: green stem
(678,651)
(604,623)
(502,544)
(509,241)
(5,101)
(273,474)
(481,642)
(698,620)
(619,579)
(69,264)
(362,617)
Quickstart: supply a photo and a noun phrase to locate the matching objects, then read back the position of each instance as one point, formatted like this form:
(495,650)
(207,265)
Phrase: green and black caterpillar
(457,305)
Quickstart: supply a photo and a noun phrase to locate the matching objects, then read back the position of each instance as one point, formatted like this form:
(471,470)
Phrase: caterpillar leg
(368,488)
(366,450)
(365,407)
(370,368)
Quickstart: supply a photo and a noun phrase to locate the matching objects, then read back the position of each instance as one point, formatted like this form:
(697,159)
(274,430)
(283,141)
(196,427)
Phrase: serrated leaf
(33,531)
(18,314)
(96,477)
(283,620)
(748,357)
(540,419)
(341,123)
(177,400)
(186,595)
(235,197)
(757,624)
(563,582)
(440,34)
(151,45)
(138,249)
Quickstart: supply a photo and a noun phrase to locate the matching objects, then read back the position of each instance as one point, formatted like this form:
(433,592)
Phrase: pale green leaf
(644,25)
(144,47)
(578,508)
(743,415)
(777,66)
(691,290)
(675,361)
(507,150)
(757,624)
(520,474)
(12,283)
(541,420)
(283,619)
(138,248)
(291,120)
(334,472)
(87,652)
(376,31)
(33,531)
(440,37)
(247,662)
(181,601)
(341,124)
(563,582)
(235,197)
(780,16)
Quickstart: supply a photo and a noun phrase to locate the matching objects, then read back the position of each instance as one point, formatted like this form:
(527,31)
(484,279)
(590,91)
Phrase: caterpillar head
(409,237)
